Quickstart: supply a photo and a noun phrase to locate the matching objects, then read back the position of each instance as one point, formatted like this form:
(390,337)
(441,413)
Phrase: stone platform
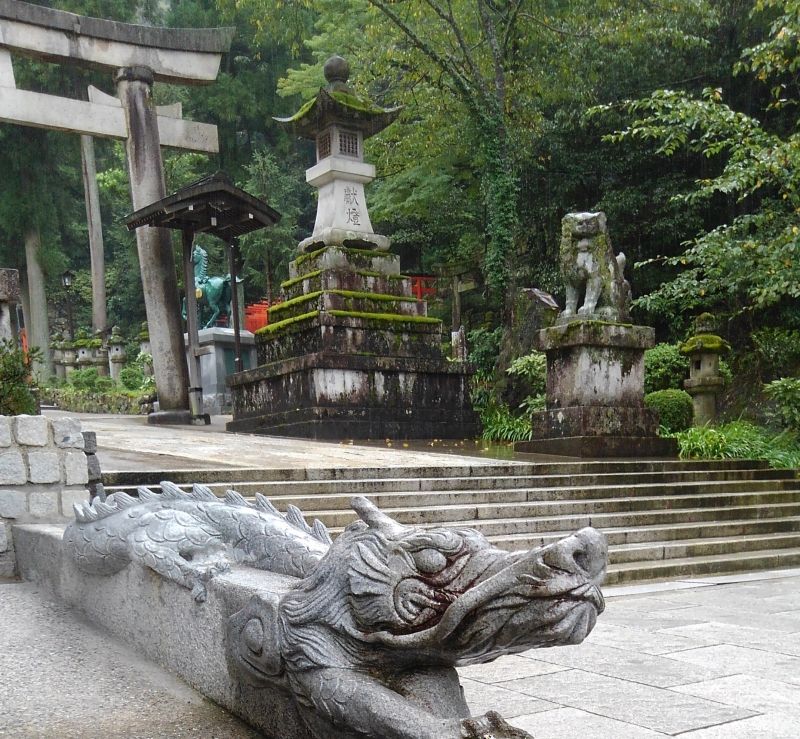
(595,398)
(351,353)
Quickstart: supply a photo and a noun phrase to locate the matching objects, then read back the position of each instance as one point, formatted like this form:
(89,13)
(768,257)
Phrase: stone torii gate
(137,56)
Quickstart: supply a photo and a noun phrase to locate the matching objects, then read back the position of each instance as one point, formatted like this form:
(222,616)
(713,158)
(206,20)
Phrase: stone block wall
(43,471)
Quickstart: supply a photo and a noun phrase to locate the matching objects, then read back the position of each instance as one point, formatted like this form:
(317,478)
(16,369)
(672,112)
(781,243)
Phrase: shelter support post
(233,260)
(156,261)
(193,343)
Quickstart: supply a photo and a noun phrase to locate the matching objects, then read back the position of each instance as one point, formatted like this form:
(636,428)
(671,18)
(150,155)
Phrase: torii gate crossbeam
(136,55)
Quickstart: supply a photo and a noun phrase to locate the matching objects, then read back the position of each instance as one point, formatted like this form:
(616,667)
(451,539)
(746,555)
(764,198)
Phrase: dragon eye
(429,561)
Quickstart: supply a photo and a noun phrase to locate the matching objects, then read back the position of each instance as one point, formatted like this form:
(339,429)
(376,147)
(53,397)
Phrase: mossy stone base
(594,421)
(590,447)
(595,333)
(333,396)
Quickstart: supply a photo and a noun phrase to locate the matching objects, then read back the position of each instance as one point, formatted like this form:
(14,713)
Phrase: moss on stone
(705,343)
(270,329)
(355,102)
(303,258)
(389,317)
(374,296)
(294,301)
(286,284)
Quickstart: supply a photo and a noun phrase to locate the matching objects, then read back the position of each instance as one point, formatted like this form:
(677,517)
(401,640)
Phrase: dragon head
(446,595)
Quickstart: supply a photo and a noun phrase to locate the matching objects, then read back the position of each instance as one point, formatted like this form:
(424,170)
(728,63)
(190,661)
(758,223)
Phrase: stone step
(712,546)
(404,491)
(530,510)
(706,565)
(236,474)
(545,524)
(658,533)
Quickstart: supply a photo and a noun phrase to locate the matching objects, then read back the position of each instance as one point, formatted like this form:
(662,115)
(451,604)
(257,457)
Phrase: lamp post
(66,281)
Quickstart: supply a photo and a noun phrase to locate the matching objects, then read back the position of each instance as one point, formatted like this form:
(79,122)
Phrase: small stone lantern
(705,382)
(339,121)
(116,352)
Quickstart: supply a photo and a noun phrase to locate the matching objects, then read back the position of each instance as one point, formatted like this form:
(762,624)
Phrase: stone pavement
(714,658)
(129,443)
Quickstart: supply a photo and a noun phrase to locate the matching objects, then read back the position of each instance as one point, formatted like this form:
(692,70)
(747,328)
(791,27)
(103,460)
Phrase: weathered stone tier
(352,354)
(332,396)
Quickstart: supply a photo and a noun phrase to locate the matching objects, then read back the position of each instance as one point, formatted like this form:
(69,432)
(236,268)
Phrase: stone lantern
(705,382)
(116,352)
(350,352)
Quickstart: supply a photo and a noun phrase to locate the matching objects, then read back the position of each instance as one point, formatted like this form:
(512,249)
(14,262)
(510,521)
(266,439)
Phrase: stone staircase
(662,519)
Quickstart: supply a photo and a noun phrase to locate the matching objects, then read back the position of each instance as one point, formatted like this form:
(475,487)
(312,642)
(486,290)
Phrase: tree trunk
(95,226)
(37,324)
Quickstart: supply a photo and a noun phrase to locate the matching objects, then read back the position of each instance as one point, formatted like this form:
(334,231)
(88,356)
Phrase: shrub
(16,396)
(665,368)
(83,379)
(131,377)
(499,424)
(778,351)
(786,395)
(739,440)
(484,347)
(533,369)
(674,408)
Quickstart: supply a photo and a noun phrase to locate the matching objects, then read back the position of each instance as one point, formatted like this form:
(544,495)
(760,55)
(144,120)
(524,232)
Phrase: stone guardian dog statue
(591,271)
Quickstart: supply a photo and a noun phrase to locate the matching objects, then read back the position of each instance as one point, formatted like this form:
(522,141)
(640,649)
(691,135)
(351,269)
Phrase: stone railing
(43,471)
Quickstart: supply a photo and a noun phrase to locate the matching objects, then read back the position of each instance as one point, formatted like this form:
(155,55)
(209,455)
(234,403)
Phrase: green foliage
(131,377)
(740,440)
(533,368)
(778,351)
(499,424)
(484,346)
(674,409)
(665,368)
(786,395)
(89,380)
(16,396)
(750,261)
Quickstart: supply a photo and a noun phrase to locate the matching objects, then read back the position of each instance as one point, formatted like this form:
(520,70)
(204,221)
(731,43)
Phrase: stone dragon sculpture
(590,270)
(367,637)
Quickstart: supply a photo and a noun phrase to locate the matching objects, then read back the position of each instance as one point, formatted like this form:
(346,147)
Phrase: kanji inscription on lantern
(353,216)
(350,196)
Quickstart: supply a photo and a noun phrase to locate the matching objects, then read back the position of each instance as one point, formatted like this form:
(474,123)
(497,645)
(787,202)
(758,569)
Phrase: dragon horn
(371,515)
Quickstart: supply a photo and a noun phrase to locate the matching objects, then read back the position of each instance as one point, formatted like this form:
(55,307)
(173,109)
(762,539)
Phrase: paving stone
(570,723)
(772,726)
(12,468)
(5,431)
(759,694)
(43,505)
(31,430)
(639,640)
(44,467)
(654,621)
(76,470)
(67,432)
(743,636)
(749,661)
(641,705)
(787,622)
(660,672)
(3,537)
(509,667)
(13,503)
(481,697)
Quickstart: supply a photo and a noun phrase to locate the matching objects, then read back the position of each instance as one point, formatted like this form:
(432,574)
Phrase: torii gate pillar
(146,170)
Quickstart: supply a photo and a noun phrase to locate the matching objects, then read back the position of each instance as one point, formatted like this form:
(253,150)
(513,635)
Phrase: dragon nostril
(253,635)
(582,559)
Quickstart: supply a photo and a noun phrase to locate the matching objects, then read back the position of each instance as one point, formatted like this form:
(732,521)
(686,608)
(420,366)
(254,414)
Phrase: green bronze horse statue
(213,293)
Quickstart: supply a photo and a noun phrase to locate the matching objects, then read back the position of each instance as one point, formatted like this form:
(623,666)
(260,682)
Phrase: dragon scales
(367,638)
